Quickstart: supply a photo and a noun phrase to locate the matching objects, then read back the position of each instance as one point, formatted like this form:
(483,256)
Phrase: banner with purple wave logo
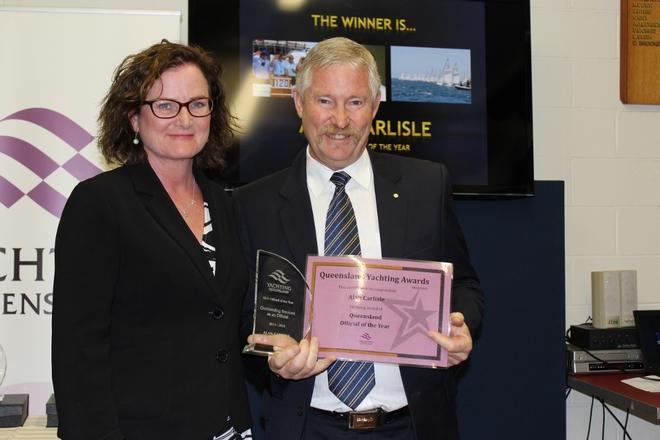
(57,64)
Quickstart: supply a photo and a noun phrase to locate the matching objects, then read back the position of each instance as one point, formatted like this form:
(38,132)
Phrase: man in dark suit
(401,208)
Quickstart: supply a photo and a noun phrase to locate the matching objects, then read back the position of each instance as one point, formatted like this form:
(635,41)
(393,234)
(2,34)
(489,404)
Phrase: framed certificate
(379,310)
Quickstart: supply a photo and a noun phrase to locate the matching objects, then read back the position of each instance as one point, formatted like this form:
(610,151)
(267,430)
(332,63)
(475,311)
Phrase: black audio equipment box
(586,336)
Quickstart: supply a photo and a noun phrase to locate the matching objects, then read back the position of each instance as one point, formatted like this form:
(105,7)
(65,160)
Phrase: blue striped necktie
(349,381)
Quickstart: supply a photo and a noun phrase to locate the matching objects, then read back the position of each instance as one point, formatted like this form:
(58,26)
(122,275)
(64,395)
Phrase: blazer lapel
(164,212)
(296,214)
(392,206)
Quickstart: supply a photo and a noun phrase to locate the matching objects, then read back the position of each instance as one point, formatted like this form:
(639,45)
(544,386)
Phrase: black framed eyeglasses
(169,108)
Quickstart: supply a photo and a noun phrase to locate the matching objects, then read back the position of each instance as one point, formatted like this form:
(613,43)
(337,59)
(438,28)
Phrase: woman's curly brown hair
(131,82)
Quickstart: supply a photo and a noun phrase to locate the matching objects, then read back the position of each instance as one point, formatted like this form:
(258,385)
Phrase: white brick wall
(609,156)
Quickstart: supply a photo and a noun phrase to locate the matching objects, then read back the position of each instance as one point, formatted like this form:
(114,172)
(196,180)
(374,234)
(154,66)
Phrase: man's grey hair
(336,51)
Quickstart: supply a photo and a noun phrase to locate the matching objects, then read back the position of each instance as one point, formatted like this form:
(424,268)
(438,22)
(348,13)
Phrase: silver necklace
(186,211)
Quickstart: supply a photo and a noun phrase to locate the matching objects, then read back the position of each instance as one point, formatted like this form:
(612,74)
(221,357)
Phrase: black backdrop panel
(514,385)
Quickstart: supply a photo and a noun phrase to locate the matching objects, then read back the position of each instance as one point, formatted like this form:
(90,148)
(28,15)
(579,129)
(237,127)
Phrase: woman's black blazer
(145,338)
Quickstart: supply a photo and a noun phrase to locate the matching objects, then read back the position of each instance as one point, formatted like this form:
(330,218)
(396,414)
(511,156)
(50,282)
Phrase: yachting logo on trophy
(35,161)
(278,276)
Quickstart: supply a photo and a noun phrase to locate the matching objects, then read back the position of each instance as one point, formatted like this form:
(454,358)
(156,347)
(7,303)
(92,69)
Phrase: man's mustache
(334,131)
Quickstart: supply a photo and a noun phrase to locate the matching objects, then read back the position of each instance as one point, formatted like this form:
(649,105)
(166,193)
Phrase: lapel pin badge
(395,195)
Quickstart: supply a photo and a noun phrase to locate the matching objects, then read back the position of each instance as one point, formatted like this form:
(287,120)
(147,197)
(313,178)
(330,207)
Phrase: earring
(136,140)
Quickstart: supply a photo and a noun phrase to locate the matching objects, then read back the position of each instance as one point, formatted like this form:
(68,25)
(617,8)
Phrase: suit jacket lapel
(296,214)
(164,212)
(298,221)
(392,206)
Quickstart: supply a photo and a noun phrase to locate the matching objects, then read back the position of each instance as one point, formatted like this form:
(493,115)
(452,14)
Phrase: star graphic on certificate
(413,317)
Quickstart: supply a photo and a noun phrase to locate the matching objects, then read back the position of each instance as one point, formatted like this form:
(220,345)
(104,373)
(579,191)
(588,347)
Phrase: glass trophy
(3,369)
(281,296)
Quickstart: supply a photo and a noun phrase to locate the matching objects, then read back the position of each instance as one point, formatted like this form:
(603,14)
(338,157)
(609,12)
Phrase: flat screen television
(456,81)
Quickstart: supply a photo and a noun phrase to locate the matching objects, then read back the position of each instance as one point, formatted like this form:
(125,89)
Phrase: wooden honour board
(640,52)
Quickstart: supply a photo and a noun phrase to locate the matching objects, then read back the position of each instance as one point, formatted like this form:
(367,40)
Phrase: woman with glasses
(149,278)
